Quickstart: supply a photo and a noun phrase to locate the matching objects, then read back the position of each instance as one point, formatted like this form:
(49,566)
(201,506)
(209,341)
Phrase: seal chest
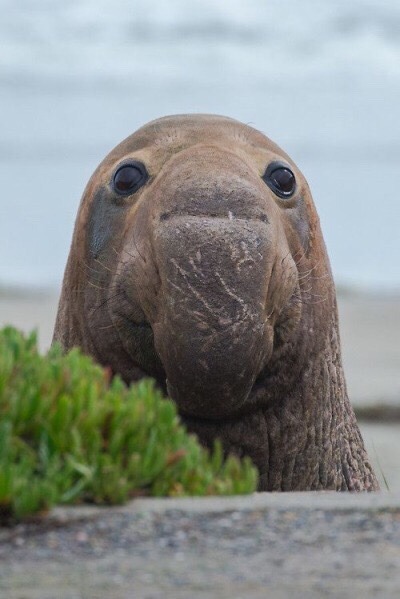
(197,259)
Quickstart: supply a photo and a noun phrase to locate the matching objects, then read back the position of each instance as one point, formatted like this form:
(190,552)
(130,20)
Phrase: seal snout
(213,245)
(212,333)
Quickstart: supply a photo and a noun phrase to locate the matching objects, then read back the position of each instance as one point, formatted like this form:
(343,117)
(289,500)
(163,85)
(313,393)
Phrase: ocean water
(321,79)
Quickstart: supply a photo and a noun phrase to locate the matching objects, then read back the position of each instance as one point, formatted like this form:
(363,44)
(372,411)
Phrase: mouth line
(237,415)
(249,405)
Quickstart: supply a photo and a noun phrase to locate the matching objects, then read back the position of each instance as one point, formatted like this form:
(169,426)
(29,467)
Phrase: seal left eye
(129,177)
(280,179)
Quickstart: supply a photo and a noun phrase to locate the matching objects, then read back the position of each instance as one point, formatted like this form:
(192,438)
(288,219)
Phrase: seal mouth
(140,333)
(200,410)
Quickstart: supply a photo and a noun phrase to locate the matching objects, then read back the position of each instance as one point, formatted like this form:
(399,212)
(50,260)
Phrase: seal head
(198,259)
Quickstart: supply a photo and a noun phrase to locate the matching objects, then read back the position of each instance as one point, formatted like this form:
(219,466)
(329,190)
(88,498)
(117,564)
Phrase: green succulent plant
(70,434)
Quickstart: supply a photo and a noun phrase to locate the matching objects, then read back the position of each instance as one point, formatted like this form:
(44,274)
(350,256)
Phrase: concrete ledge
(260,502)
(326,500)
(279,545)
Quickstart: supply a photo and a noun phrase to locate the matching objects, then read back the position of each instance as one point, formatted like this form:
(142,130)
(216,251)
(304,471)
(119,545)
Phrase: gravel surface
(285,545)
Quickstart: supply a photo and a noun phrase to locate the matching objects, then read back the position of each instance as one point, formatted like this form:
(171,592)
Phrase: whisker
(109,299)
(103,265)
(98,286)
(110,326)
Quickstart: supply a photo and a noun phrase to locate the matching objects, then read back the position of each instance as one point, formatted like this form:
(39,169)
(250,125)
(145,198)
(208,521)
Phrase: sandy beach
(369,327)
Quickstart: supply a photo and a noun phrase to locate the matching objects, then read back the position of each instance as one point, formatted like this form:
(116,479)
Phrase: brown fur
(207,281)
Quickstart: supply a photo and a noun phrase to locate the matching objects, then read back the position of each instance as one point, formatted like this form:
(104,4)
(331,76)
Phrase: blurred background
(321,79)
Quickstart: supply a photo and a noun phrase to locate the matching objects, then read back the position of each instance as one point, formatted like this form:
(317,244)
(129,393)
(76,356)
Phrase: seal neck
(306,440)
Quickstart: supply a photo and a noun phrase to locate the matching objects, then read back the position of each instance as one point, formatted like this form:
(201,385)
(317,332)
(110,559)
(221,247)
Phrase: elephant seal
(198,259)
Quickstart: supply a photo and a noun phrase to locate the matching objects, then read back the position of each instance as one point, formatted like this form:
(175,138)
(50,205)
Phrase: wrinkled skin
(209,282)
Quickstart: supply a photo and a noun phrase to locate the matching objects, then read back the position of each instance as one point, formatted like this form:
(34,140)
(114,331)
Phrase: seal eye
(280,179)
(129,177)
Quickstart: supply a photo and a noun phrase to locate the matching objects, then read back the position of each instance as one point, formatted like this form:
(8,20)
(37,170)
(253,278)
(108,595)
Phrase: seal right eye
(129,177)
(280,179)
